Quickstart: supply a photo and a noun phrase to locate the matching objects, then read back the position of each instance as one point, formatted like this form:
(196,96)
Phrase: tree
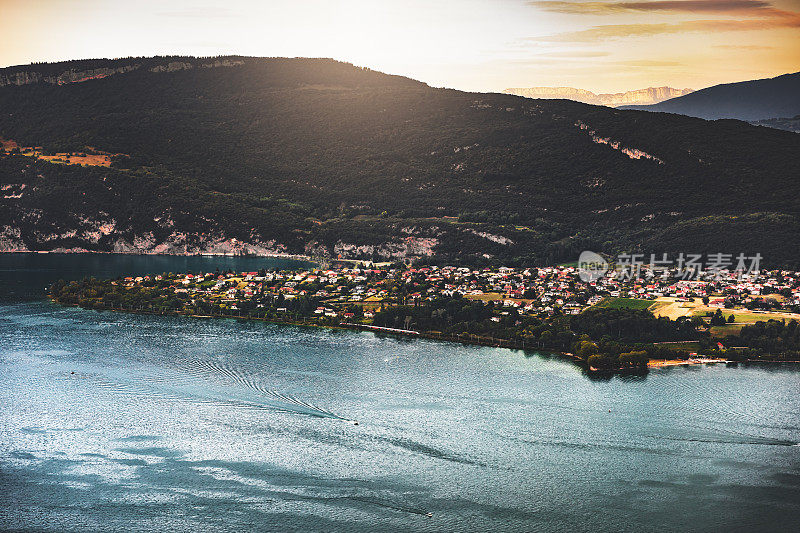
(717,319)
(600,361)
(587,349)
(634,358)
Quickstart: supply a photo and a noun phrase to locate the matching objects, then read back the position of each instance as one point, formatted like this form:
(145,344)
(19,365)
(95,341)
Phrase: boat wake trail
(286,402)
(721,436)
(195,382)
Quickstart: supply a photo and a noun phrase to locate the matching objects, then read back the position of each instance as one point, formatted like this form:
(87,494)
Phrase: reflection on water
(115,421)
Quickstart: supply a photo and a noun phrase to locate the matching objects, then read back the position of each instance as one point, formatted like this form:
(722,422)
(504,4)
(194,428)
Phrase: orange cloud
(750,15)
(744,47)
(681,6)
(615,31)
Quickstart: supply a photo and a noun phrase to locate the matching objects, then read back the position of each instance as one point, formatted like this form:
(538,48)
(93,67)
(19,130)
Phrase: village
(355,293)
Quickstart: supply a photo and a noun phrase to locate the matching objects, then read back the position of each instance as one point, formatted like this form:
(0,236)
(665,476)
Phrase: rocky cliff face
(93,236)
(105,238)
(651,95)
(68,76)
(72,75)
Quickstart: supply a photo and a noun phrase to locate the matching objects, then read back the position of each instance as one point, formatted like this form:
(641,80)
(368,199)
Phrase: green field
(625,303)
(727,329)
(746,316)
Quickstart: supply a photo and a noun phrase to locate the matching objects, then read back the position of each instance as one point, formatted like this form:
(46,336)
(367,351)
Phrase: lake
(116,421)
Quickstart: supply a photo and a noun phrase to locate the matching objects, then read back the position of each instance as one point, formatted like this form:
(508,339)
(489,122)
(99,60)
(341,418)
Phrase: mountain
(651,95)
(747,100)
(65,72)
(788,124)
(268,155)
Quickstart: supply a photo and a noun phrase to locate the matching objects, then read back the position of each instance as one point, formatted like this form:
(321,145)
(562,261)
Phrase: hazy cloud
(615,31)
(743,47)
(750,15)
(578,53)
(646,63)
(682,6)
(200,12)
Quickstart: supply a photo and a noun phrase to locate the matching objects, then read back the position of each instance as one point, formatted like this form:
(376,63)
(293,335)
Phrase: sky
(474,45)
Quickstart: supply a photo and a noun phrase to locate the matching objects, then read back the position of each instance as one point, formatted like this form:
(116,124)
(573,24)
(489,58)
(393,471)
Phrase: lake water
(141,423)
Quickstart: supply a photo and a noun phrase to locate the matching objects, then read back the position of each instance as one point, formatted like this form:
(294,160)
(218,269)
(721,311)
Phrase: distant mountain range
(315,156)
(651,95)
(756,100)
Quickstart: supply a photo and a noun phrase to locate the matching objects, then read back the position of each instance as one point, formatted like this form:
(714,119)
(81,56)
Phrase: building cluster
(341,292)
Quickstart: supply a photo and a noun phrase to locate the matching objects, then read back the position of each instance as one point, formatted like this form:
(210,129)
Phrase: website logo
(591,266)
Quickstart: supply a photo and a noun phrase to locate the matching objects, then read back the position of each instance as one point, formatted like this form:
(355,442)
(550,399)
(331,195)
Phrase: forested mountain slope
(755,100)
(318,156)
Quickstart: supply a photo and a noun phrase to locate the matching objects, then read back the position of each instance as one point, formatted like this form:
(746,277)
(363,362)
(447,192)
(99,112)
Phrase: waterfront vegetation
(601,333)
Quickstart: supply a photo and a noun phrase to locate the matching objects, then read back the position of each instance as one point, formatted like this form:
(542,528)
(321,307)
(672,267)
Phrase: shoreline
(469,340)
(460,339)
(463,339)
(668,363)
(275,255)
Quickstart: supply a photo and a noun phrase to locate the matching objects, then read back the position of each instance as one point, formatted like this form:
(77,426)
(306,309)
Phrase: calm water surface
(139,423)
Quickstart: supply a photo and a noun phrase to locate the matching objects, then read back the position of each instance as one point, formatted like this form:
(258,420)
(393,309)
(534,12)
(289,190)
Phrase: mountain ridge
(319,157)
(650,95)
(752,100)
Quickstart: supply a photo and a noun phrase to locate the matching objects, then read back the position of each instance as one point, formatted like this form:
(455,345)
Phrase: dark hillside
(317,155)
(754,100)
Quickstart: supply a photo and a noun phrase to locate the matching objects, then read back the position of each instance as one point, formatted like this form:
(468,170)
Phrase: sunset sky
(479,45)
